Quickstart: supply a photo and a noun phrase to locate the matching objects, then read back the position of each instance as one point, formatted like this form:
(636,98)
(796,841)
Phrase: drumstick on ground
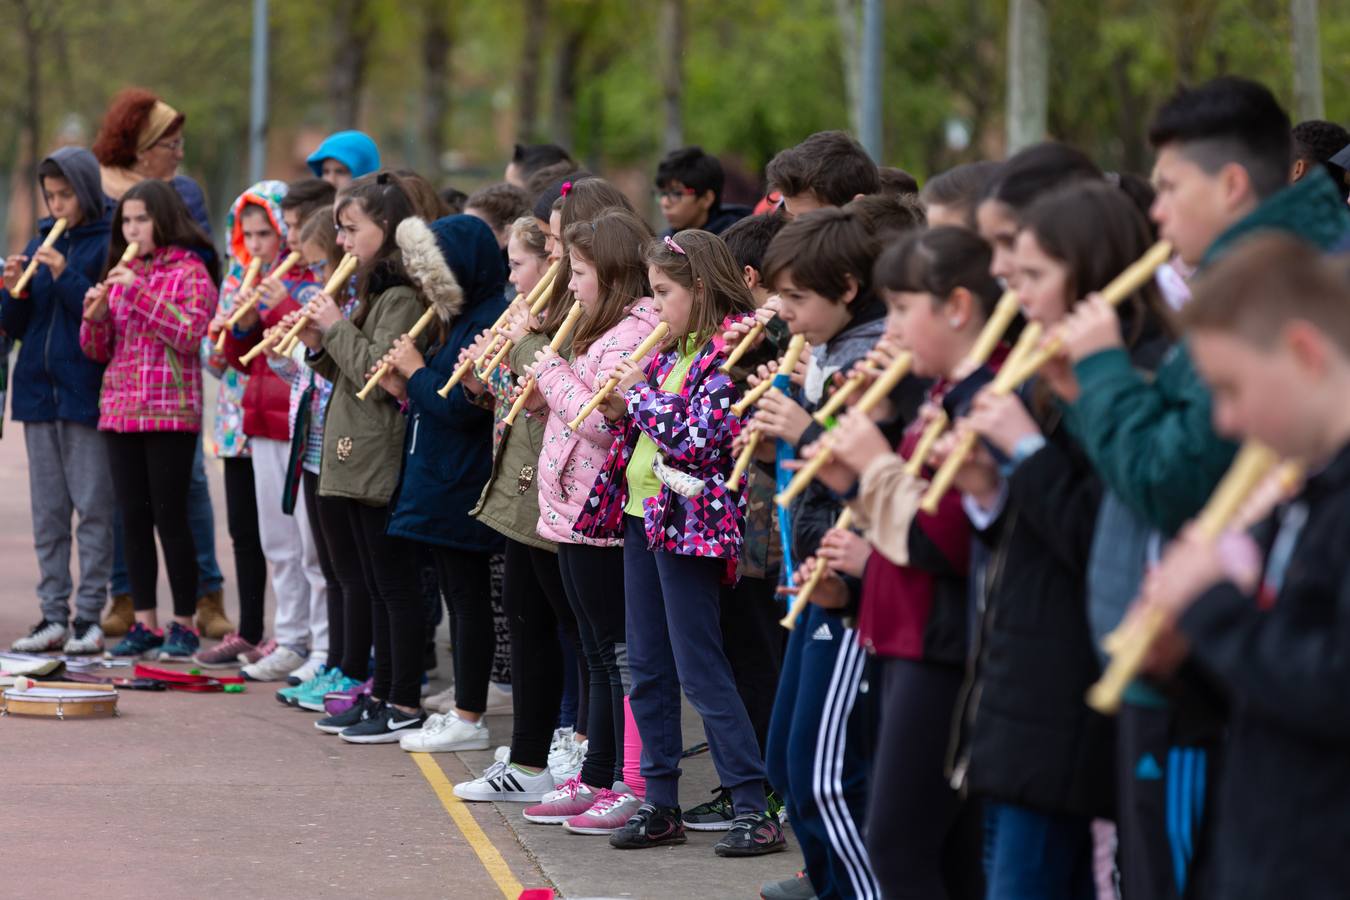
(24,683)
(573,316)
(803,597)
(647,346)
(58,228)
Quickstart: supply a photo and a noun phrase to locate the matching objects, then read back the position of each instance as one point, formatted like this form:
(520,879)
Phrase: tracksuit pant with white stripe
(820,752)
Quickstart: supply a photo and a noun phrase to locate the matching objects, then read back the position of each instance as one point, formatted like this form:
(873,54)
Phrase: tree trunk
(672,72)
(527,76)
(350,50)
(1028,81)
(437,43)
(1307,51)
(850,50)
(31,33)
(562,115)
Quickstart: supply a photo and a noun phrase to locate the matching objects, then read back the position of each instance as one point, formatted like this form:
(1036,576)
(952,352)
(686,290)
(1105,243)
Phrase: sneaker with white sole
(85,637)
(506,782)
(611,809)
(274,666)
(357,712)
(499,699)
(442,701)
(42,637)
(572,798)
(446,733)
(386,724)
(311,667)
(566,764)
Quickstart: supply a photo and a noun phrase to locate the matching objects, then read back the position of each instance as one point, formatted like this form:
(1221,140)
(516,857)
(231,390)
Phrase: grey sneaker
(42,637)
(85,637)
(798,887)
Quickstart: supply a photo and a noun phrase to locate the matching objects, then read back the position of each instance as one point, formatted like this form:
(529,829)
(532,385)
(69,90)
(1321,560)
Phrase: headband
(162,115)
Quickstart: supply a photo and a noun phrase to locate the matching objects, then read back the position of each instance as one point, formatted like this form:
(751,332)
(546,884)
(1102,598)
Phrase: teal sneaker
(312,699)
(291,695)
(180,643)
(140,642)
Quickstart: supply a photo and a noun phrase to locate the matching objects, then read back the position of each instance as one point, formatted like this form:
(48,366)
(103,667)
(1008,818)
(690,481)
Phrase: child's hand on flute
(14,266)
(978,475)
(1091,327)
(393,383)
(737,331)
(845,551)
(53,259)
(323,314)
(779,416)
(1001,420)
(542,357)
(858,441)
(629,372)
(96,303)
(216,325)
(120,274)
(519,325)
(470,381)
(834,475)
(830,593)
(270,293)
(405,357)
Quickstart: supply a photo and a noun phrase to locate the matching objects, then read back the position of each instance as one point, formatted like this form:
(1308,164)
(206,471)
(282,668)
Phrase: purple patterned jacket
(693,431)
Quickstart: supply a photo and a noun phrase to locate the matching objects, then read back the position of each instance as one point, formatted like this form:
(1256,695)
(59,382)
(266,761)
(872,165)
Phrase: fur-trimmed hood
(455,262)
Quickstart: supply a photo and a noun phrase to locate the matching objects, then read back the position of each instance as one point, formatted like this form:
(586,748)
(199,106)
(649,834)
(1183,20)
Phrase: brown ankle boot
(211,619)
(120,616)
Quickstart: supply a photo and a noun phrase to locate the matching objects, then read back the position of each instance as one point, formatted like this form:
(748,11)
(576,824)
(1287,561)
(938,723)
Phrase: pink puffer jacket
(570,461)
(149,340)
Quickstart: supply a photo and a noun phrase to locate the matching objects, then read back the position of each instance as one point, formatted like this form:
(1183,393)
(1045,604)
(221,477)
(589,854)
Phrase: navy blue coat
(447,456)
(53,379)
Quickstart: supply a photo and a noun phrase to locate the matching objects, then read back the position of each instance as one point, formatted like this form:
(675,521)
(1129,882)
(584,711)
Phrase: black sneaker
(650,826)
(752,834)
(339,723)
(384,726)
(715,815)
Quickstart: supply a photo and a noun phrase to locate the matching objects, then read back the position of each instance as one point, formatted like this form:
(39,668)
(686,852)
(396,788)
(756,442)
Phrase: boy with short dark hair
(302,198)
(56,390)
(527,159)
(1270,331)
(827,169)
(689,188)
(1316,143)
(748,240)
(498,205)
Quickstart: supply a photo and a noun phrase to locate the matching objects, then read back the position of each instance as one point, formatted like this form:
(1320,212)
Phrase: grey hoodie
(80,168)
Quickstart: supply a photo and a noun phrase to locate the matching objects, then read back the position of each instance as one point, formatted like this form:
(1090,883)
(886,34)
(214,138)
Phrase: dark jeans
(151,472)
(1032,855)
(336,630)
(923,840)
(535,602)
(250,566)
(466,585)
(674,642)
(754,642)
(593,578)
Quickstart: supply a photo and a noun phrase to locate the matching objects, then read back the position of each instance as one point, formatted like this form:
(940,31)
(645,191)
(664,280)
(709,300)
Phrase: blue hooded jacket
(53,379)
(447,452)
(354,149)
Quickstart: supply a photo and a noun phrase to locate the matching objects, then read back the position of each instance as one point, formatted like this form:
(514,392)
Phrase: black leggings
(754,643)
(250,566)
(593,579)
(466,585)
(336,629)
(536,603)
(923,841)
(344,551)
(151,472)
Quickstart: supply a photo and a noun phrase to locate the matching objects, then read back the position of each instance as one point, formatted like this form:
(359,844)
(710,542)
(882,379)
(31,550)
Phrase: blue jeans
(202,521)
(1031,855)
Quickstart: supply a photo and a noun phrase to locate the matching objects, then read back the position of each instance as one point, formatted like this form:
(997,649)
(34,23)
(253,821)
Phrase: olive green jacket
(363,439)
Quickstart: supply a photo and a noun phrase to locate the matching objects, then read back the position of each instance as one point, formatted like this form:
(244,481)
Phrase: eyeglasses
(172,146)
(674,195)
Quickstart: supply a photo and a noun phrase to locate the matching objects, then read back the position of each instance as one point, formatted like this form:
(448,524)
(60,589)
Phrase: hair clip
(670,242)
(566,188)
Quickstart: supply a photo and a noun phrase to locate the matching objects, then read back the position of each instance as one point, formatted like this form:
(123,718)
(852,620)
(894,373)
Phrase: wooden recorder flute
(647,346)
(796,346)
(1002,385)
(58,228)
(335,283)
(569,323)
(879,390)
(1250,467)
(743,347)
(133,250)
(428,316)
(994,330)
(537,299)
(281,272)
(246,285)
(803,597)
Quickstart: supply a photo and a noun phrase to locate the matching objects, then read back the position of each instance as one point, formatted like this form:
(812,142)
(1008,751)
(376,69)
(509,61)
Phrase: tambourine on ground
(58,703)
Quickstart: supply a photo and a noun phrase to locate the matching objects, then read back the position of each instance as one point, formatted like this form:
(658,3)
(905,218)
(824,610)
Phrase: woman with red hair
(141,139)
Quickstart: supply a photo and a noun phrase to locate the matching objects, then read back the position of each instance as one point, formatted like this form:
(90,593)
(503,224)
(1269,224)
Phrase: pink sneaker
(258,652)
(572,798)
(224,655)
(611,811)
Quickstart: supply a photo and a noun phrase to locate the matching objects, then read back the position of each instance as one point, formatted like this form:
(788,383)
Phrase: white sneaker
(505,782)
(85,637)
(306,672)
(562,739)
(502,754)
(567,764)
(44,636)
(274,666)
(446,733)
(441,702)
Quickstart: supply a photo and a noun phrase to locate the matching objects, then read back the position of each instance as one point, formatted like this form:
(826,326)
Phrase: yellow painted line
(469,827)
